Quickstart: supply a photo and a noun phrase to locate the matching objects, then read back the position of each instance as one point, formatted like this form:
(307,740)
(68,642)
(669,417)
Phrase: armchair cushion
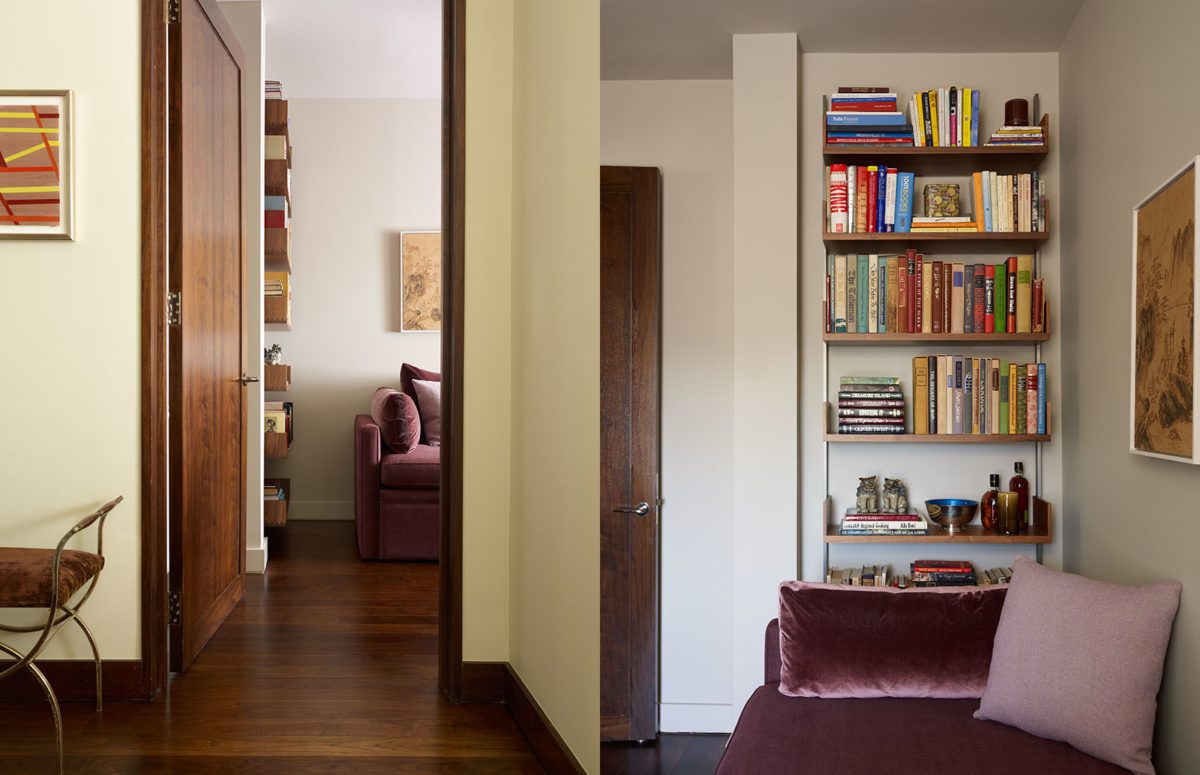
(419,468)
(26,575)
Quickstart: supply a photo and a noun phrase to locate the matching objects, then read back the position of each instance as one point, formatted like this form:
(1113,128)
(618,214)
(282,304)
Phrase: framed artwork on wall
(1164,382)
(36,173)
(421,280)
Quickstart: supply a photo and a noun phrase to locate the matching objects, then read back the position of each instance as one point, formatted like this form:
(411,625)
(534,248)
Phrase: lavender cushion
(839,641)
(429,401)
(398,420)
(1081,661)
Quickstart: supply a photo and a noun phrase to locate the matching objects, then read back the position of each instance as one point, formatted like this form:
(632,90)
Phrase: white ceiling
(649,39)
(355,48)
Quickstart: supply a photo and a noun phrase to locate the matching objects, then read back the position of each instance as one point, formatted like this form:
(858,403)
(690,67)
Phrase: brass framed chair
(50,578)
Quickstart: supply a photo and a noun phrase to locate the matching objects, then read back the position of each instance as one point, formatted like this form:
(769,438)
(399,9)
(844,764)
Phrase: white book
(995,201)
(852,97)
(889,203)
(873,294)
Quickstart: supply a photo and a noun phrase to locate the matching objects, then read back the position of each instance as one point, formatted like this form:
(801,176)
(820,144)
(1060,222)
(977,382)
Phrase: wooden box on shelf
(276,179)
(277,250)
(277,310)
(275,446)
(1040,532)
(275,511)
(275,119)
(277,377)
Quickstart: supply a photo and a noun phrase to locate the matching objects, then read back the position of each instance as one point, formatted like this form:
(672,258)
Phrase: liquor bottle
(1020,485)
(989,503)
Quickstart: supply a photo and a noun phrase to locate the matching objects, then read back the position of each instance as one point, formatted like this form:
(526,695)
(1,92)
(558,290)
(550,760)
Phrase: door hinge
(174,608)
(174,308)
(172,11)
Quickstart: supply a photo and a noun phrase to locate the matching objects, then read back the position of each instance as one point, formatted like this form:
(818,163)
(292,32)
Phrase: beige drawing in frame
(421,281)
(1164,383)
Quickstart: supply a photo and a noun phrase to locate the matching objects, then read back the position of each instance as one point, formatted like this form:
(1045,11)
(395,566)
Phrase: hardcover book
(920,394)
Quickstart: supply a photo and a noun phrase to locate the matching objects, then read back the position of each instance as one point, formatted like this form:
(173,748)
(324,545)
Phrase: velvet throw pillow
(398,420)
(840,641)
(1081,661)
(408,373)
(429,401)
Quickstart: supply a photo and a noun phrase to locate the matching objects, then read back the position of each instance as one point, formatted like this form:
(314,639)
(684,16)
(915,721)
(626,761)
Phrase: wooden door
(207,424)
(629,452)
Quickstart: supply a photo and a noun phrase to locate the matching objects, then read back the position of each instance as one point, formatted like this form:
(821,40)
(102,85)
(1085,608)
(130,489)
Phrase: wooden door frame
(153,669)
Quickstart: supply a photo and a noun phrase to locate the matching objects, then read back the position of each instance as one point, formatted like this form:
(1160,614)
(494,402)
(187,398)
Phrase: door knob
(246,380)
(641,509)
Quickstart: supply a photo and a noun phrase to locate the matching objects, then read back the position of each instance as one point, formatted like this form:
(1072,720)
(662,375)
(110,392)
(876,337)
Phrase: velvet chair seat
(26,575)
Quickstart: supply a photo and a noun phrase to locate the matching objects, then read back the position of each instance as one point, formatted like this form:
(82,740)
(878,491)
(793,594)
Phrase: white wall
(246,19)
(1132,519)
(70,375)
(685,128)
(363,171)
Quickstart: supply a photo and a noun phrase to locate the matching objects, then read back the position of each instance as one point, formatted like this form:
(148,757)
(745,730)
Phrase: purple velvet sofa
(395,497)
(780,735)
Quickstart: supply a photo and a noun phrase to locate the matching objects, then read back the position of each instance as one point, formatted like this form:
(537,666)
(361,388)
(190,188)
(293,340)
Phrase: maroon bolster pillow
(398,420)
(842,641)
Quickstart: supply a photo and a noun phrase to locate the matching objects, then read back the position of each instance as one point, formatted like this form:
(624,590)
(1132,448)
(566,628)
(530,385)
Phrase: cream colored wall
(70,313)
(1131,108)
(487,386)
(554,631)
(345,340)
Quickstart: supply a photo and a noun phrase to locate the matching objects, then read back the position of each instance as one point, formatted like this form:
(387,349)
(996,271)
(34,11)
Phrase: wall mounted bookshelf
(1039,533)
(277,259)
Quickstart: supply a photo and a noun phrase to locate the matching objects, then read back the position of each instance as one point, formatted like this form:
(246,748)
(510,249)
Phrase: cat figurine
(868,494)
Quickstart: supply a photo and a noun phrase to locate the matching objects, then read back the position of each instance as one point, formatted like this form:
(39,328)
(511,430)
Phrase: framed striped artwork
(36,175)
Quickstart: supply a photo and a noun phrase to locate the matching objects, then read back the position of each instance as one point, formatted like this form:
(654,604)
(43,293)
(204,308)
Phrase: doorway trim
(153,670)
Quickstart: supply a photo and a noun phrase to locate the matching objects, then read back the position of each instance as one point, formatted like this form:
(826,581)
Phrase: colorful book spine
(1031,398)
(927,119)
(881,198)
(1010,276)
(975,117)
(872,187)
(989,299)
(903,324)
(905,182)
(924,275)
(913,324)
(987,200)
(978,307)
(1022,399)
(958,297)
(1042,427)
(864,294)
(872,294)
(969,299)
(1004,401)
(891,295)
(889,207)
(977,199)
(936,295)
(851,286)
(839,294)
(838,201)
(1024,301)
(1000,298)
(957,405)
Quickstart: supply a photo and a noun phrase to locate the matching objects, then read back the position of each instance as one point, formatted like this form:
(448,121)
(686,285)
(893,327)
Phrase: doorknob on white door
(641,509)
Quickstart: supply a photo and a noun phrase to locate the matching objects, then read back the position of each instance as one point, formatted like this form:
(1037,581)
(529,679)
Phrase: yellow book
(1013,398)
(277,277)
(933,115)
(1024,294)
(968,95)
(921,395)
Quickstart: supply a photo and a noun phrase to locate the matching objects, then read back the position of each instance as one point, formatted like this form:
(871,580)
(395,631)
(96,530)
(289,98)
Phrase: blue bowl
(951,513)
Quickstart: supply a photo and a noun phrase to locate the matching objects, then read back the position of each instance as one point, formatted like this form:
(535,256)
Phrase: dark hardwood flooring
(329,665)
(670,755)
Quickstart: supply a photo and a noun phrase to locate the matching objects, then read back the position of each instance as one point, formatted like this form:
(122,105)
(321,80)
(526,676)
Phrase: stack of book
(942,573)
(273,492)
(272,90)
(946,117)
(872,405)
(1007,203)
(277,418)
(275,284)
(856,523)
(870,294)
(866,576)
(924,224)
(866,115)
(978,396)
(866,198)
(995,576)
(1017,135)
(276,214)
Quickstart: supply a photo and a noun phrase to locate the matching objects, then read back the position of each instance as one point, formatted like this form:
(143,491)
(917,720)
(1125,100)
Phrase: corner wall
(1131,108)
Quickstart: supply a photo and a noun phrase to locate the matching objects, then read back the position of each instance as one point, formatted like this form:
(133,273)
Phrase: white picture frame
(24,195)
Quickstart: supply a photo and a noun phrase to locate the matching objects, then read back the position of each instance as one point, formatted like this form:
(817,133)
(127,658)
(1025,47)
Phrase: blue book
(904,200)
(1041,388)
(881,315)
(987,200)
(864,298)
(881,199)
(975,117)
(865,119)
(899,134)
(274,202)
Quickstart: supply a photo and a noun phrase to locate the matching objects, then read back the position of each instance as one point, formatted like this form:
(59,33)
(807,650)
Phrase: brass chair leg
(41,679)
(95,657)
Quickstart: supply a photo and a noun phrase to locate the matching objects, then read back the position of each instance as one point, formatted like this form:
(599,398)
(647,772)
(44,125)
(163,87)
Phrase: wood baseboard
(499,682)
(75,679)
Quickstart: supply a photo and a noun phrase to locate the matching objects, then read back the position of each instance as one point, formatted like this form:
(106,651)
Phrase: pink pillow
(840,641)
(1081,661)
(398,420)
(429,401)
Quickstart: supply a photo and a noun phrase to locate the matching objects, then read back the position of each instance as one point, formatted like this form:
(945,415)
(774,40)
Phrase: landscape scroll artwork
(421,280)
(1164,380)
(35,148)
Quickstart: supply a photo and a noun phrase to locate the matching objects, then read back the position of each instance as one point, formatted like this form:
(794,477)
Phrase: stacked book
(937,224)
(870,405)
(276,214)
(942,573)
(978,396)
(866,198)
(272,90)
(1008,203)
(856,523)
(866,115)
(277,418)
(1017,135)
(273,492)
(866,576)
(946,117)
(893,294)
(275,284)
(995,576)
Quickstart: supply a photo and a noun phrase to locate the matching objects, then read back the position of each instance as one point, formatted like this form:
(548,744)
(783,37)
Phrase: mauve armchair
(395,497)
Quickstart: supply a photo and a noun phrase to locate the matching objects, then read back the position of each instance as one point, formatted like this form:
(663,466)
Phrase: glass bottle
(1020,485)
(988,504)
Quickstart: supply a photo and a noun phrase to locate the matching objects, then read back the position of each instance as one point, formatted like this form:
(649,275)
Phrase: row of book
(882,294)
(856,523)
(922,573)
(978,396)
(942,573)
(273,492)
(276,213)
(866,116)
(275,284)
(946,117)
(868,198)
(871,405)
(277,418)
(1009,203)
(272,90)
(866,576)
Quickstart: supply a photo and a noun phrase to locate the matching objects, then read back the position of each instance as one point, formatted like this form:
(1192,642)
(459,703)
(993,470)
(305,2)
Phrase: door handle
(641,509)
(246,380)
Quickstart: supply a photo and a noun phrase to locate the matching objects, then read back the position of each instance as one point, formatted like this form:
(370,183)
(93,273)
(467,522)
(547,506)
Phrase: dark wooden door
(207,425)
(629,452)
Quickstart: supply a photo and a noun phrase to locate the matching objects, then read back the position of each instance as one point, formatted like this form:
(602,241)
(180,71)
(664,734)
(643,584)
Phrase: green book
(864,293)
(1001,303)
(1004,404)
(1019,401)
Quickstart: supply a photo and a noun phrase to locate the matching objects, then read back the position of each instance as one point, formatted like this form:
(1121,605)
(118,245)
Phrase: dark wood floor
(670,755)
(329,665)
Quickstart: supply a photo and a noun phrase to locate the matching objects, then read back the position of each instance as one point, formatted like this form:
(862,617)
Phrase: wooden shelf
(275,446)
(275,179)
(937,438)
(274,511)
(277,250)
(962,236)
(277,377)
(1039,533)
(275,117)
(922,339)
(277,310)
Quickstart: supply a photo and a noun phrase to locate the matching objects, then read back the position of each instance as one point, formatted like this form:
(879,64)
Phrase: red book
(919,294)
(901,295)
(860,198)
(936,306)
(947,307)
(939,566)
(1038,302)
(911,271)
(1031,398)
(1011,278)
(872,200)
(273,219)
(989,310)
(869,140)
(863,106)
